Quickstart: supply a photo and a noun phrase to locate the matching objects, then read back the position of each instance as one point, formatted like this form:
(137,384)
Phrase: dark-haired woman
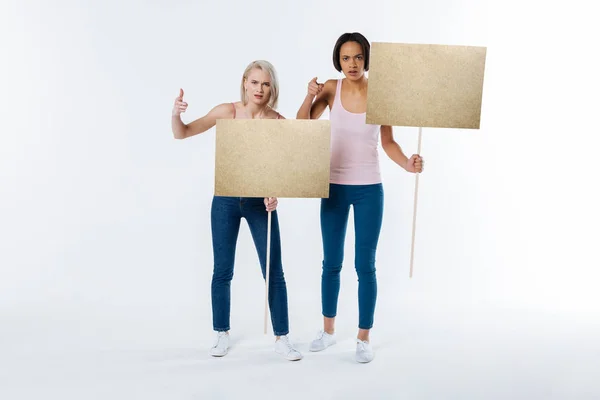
(355,181)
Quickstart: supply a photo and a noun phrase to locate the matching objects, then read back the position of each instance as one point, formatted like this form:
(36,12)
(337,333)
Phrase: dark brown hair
(351,37)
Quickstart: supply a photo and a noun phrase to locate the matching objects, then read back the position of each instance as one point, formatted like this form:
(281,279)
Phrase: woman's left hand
(270,203)
(415,164)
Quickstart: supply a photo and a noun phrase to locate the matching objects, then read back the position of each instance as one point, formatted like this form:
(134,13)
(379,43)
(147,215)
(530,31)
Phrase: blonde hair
(268,68)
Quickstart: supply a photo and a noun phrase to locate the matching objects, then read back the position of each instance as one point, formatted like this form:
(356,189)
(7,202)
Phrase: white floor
(467,353)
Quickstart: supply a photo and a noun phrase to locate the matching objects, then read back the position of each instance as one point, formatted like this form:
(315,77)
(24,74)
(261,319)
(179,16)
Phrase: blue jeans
(226,215)
(367,201)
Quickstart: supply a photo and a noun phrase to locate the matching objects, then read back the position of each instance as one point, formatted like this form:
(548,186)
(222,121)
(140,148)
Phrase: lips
(258,96)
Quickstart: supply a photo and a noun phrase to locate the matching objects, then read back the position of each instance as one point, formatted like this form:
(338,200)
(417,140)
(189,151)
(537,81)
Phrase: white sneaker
(284,348)
(364,351)
(221,345)
(323,341)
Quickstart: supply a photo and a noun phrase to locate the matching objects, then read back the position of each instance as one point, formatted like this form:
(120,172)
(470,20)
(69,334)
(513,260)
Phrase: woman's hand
(180,106)
(270,203)
(314,88)
(415,164)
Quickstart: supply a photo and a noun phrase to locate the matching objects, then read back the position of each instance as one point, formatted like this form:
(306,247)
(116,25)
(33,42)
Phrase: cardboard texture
(425,85)
(272,158)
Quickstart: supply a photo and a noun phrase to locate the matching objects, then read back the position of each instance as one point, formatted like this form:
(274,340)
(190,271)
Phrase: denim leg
(257,217)
(334,221)
(368,216)
(225,224)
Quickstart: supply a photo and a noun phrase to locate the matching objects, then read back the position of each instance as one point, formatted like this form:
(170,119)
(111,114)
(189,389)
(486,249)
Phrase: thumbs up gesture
(180,106)
(314,88)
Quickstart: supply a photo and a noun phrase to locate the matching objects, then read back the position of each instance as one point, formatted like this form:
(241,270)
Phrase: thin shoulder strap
(338,90)
(233,105)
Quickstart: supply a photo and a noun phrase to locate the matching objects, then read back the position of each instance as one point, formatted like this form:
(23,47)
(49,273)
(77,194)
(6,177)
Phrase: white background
(105,247)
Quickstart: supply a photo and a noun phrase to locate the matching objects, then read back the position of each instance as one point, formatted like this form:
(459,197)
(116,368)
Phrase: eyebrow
(345,55)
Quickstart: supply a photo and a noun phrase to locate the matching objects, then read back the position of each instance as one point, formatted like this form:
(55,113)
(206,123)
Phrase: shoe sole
(290,358)
(363,361)
(316,350)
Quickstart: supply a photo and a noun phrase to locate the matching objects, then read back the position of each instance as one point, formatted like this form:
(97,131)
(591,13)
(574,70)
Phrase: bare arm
(391,147)
(183,131)
(393,150)
(314,110)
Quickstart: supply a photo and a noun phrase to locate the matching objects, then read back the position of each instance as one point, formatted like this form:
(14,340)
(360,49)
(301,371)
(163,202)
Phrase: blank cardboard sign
(272,158)
(425,85)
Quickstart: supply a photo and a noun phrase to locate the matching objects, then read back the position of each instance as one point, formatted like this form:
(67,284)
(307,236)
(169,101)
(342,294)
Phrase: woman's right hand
(180,106)
(314,88)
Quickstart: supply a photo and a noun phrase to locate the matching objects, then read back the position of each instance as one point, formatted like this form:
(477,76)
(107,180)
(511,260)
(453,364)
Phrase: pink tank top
(354,153)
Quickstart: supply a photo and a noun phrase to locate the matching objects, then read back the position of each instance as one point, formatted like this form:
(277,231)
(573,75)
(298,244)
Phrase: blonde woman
(259,92)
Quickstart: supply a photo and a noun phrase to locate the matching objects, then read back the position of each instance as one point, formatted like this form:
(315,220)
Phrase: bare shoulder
(330,85)
(273,114)
(328,92)
(329,88)
(223,110)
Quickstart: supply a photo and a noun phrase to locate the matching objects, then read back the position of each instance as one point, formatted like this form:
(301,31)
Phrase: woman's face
(258,86)
(352,60)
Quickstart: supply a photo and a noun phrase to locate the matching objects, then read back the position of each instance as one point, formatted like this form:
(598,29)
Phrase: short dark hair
(351,37)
